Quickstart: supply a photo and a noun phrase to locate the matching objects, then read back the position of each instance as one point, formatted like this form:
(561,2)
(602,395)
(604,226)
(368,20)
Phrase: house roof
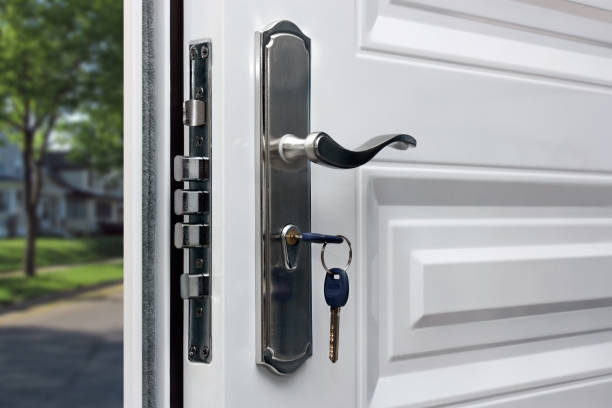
(79,192)
(55,162)
(60,160)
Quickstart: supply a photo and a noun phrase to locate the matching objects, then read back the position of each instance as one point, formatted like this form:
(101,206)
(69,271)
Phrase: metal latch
(195,286)
(191,235)
(191,168)
(191,202)
(194,112)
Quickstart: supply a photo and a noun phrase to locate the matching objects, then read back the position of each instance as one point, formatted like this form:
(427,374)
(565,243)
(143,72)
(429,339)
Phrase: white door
(483,258)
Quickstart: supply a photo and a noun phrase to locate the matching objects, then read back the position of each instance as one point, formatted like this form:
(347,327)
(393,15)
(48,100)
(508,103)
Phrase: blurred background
(61,203)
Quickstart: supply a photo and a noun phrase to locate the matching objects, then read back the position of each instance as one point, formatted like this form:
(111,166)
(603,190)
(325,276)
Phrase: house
(75,200)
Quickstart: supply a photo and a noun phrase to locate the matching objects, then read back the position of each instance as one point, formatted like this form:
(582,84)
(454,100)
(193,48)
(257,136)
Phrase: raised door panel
(481,281)
(559,39)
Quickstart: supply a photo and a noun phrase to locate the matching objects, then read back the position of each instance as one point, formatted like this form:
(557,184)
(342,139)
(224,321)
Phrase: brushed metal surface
(285,311)
(195,170)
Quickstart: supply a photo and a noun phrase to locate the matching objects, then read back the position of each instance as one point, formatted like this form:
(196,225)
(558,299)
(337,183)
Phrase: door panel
(480,281)
(482,257)
(558,39)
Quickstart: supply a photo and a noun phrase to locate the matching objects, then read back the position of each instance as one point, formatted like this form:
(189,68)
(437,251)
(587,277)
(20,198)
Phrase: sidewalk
(47,269)
(67,353)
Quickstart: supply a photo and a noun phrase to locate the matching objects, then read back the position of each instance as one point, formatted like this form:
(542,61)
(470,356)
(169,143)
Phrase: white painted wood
(132,210)
(156,252)
(506,34)
(482,263)
(203,20)
(510,284)
(162,241)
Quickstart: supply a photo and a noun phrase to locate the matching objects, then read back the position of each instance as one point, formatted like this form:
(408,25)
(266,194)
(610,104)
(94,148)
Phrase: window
(49,207)
(77,209)
(103,210)
(3,201)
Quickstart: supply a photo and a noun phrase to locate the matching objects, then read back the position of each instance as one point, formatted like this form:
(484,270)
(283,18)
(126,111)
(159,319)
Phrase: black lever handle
(320,148)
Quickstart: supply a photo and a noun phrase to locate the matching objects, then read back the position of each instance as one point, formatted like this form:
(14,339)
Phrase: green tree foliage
(60,69)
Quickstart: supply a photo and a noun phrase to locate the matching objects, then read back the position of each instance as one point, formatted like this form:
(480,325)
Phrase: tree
(60,68)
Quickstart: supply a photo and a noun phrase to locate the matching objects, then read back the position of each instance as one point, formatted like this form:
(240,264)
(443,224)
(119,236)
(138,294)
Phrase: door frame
(132,213)
(148,365)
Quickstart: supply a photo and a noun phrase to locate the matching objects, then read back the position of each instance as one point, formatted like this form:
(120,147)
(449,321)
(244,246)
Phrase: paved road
(67,353)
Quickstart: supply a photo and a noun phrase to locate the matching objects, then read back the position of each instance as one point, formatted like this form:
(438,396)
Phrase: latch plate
(193,234)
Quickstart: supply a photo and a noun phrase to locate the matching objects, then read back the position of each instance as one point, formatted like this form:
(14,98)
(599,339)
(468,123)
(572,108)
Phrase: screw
(199,263)
(204,51)
(199,311)
(199,142)
(192,351)
(199,92)
(205,352)
(193,53)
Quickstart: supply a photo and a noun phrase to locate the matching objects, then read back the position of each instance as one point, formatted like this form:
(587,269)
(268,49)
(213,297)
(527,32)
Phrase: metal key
(320,238)
(336,291)
(291,236)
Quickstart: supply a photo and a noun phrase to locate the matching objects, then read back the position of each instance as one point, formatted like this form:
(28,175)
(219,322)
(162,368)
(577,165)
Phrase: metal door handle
(319,147)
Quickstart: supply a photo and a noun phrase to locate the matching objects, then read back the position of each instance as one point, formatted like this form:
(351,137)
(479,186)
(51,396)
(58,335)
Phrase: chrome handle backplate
(284,306)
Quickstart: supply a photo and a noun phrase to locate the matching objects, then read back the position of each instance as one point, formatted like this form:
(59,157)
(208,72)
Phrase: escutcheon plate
(283,102)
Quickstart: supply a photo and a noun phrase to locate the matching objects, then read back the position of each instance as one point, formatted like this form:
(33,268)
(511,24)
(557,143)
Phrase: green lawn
(60,251)
(20,288)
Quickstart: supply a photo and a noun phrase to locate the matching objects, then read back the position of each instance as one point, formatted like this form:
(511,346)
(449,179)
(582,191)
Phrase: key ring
(350,257)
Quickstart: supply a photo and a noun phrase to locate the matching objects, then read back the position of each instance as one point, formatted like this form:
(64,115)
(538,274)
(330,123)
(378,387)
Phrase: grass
(59,251)
(18,289)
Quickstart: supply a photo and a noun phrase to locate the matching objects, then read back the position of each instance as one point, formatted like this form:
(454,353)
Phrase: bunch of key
(336,285)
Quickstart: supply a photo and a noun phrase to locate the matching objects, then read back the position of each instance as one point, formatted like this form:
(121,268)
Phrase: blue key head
(336,287)
(321,238)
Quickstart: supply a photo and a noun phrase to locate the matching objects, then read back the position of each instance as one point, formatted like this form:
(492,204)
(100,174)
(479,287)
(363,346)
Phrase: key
(321,238)
(291,236)
(336,291)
